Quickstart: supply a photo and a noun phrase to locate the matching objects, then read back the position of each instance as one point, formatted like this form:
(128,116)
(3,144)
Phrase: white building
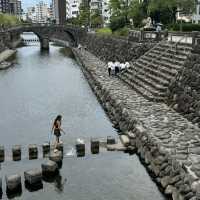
(42,12)
(103,7)
(31,14)
(72,8)
(106,12)
(194,18)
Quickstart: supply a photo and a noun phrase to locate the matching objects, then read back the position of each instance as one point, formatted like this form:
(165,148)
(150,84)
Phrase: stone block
(33,176)
(110,140)
(13,182)
(0,185)
(80,148)
(56,156)
(95,146)
(60,146)
(16,152)
(49,168)
(46,148)
(33,151)
(2,153)
(125,140)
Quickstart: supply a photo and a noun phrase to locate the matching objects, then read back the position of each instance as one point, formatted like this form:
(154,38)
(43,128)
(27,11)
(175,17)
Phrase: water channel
(37,88)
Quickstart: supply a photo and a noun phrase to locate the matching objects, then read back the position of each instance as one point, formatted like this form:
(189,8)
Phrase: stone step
(164,63)
(155,77)
(142,91)
(142,84)
(173,51)
(182,47)
(164,54)
(156,70)
(148,82)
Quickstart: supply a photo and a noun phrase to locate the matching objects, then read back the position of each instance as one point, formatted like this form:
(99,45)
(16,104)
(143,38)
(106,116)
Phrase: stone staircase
(152,73)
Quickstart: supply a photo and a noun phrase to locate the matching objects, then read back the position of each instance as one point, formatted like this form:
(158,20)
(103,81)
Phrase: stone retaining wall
(111,49)
(174,176)
(184,92)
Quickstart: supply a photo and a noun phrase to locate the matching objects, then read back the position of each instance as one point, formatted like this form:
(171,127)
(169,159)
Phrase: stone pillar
(44,43)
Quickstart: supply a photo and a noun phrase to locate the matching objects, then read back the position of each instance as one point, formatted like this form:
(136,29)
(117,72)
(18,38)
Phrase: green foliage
(122,32)
(74,21)
(166,10)
(136,12)
(84,15)
(104,31)
(96,19)
(186,27)
(8,20)
(117,23)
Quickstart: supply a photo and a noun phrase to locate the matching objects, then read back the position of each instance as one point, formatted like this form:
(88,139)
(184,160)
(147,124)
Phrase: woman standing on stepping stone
(57,128)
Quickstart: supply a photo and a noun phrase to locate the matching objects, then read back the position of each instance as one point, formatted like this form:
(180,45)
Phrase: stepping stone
(13,182)
(49,168)
(16,152)
(56,156)
(95,146)
(0,185)
(110,140)
(60,146)
(125,140)
(2,153)
(46,148)
(33,151)
(80,148)
(33,176)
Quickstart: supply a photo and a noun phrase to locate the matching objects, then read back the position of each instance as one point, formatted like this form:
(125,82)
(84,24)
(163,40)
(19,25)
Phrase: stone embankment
(111,49)
(184,92)
(166,142)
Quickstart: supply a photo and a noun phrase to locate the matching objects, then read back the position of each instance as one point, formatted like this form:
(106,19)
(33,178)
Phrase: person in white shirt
(127,65)
(117,67)
(122,66)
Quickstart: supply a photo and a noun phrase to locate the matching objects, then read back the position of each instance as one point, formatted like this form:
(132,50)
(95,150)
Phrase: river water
(37,88)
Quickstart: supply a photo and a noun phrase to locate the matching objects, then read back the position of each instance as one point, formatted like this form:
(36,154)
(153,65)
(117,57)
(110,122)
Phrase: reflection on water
(40,86)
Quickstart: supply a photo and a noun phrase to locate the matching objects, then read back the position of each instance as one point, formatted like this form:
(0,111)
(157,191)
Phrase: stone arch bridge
(46,33)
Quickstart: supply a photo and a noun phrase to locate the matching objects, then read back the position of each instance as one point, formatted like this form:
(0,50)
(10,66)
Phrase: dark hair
(58,118)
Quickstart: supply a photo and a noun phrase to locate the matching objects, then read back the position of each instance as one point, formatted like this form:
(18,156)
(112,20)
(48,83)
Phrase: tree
(84,15)
(119,14)
(160,9)
(96,19)
(137,12)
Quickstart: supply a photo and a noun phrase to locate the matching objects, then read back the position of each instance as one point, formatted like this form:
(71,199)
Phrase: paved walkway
(170,129)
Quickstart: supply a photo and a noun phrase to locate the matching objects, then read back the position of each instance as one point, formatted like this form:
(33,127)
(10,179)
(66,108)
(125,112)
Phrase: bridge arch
(48,33)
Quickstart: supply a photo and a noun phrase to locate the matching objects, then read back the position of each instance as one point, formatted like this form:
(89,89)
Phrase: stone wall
(111,49)
(184,92)
(170,174)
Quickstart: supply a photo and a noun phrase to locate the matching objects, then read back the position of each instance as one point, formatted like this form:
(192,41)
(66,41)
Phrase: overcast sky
(28,3)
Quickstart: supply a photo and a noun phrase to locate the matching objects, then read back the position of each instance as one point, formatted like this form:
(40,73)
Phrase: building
(106,12)
(4,6)
(196,15)
(194,18)
(15,7)
(72,8)
(59,7)
(103,7)
(41,13)
(31,14)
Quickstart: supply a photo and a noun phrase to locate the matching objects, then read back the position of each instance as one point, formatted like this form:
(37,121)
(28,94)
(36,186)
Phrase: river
(37,88)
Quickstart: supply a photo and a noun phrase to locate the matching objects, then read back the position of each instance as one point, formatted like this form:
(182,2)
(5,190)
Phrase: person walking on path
(109,68)
(56,129)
